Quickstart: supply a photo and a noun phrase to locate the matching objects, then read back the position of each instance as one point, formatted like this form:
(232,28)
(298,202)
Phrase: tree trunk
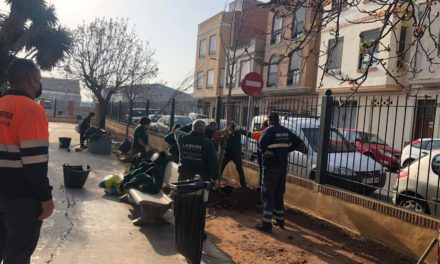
(102,113)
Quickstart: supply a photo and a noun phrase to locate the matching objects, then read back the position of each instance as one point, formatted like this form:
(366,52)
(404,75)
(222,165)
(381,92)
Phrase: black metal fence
(386,147)
(71,109)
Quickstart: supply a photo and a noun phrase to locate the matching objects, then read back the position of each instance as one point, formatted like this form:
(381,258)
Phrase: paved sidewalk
(90,227)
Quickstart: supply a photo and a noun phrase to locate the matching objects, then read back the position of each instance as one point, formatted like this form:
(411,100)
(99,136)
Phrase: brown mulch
(305,240)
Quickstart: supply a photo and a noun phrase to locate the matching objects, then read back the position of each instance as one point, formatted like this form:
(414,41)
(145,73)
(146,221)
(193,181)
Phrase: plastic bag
(111,184)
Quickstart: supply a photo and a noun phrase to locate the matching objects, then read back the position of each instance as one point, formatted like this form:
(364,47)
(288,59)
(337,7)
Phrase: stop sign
(252,84)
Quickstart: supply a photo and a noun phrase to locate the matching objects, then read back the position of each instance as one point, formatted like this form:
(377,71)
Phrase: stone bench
(154,206)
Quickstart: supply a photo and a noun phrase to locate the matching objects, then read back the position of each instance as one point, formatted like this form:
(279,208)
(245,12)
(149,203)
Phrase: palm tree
(31,29)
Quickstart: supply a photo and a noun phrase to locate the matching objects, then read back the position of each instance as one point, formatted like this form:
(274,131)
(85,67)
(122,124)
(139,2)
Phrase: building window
(401,48)
(298,24)
(335,47)
(202,48)
(294,68)
(200,76)
(212,44)
(369,51)
(245,68)
(273,71)
(210,79)
(276,29)
(222,78)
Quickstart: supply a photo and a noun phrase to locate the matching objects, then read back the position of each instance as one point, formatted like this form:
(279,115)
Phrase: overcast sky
(169,25)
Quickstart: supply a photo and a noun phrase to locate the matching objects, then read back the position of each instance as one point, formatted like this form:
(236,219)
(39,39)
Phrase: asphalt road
(91,227)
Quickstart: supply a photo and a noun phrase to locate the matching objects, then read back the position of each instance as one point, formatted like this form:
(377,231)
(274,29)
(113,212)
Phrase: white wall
(351,51)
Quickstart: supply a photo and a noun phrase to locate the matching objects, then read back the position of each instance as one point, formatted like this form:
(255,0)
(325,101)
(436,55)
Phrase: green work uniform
(196,156)
(173,149)
(234,143)
(139,133)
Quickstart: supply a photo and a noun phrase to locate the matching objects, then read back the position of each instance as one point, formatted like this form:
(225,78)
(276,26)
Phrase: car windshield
(371,138)
(137,112)
(337,141)
(183,120)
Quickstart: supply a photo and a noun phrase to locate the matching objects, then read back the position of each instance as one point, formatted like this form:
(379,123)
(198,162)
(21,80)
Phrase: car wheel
(414,204)
(407,162)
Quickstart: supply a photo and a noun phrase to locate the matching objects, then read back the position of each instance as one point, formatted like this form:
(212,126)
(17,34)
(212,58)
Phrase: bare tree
(385,51)
(141,68)
(101,58)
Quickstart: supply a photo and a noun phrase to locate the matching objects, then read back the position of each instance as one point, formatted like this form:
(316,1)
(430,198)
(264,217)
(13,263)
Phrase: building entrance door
(425,119)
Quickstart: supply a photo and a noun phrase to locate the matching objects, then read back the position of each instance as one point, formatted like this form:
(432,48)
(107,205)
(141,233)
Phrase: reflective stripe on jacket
(24,142)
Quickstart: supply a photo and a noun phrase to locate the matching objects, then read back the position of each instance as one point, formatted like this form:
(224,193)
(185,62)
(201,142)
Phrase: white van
(347,168)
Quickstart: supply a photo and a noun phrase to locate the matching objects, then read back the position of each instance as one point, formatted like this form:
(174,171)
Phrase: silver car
(417,187)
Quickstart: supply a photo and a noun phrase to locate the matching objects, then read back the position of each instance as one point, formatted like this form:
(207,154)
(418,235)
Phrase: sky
(169,25)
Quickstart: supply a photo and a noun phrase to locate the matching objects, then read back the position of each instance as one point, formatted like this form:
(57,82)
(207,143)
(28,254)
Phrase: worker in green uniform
(140,137)
(233,151)
(173,149)
(83,126)
(196,154)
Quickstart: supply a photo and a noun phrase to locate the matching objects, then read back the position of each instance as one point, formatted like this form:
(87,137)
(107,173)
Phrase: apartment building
(221,42)
(374,106)
(425,81)
(290,71)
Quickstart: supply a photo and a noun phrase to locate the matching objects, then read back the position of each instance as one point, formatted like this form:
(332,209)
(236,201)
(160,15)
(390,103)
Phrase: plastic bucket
(75,176)
(64,142)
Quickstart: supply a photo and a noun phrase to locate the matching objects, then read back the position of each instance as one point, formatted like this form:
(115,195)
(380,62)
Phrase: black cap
(273,116)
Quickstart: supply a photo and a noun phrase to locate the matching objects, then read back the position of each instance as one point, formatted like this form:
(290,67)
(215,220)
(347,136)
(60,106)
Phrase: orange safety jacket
(24,142)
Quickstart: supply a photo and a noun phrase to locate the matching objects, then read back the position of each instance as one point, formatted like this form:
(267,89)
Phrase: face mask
(39,91)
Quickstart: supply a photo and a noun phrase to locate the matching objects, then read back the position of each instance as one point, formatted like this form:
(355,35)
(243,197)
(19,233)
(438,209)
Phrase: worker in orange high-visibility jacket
(25,193)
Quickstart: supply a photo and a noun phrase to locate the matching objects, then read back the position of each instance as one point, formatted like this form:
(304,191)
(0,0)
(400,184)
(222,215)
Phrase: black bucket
(75,176)
(64,142)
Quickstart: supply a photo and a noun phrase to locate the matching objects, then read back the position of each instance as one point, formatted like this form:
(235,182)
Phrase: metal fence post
(120,111)
(218,110)
(147,108)
(173,109)
(324,137)
(55,108)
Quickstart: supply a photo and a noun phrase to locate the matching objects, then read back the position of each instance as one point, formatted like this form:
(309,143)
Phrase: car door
(433,191)
(299,158)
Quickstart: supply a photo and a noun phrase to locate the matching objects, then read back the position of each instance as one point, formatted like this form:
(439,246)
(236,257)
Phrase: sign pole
(250,114)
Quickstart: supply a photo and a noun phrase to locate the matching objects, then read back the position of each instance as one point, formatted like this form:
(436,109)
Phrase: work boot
(279,224)
(264,228)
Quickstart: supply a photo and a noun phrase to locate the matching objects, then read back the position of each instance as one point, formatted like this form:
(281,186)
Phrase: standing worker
(275,144)
(196,154)
(173,149)
(25,193)
(140,137)
(83,126)
(233,152)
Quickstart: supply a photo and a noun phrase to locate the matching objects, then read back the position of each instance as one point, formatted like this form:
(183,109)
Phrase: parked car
(417,149)
(137,113)
(373,146)
(163,124)
(347,168)
(417,187)
(195,116)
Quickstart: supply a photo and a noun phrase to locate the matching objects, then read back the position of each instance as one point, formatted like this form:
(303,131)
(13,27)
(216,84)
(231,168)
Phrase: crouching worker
(196,154)
(140,137)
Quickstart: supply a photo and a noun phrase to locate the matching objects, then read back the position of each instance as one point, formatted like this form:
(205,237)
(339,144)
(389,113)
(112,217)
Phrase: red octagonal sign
(252,84)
